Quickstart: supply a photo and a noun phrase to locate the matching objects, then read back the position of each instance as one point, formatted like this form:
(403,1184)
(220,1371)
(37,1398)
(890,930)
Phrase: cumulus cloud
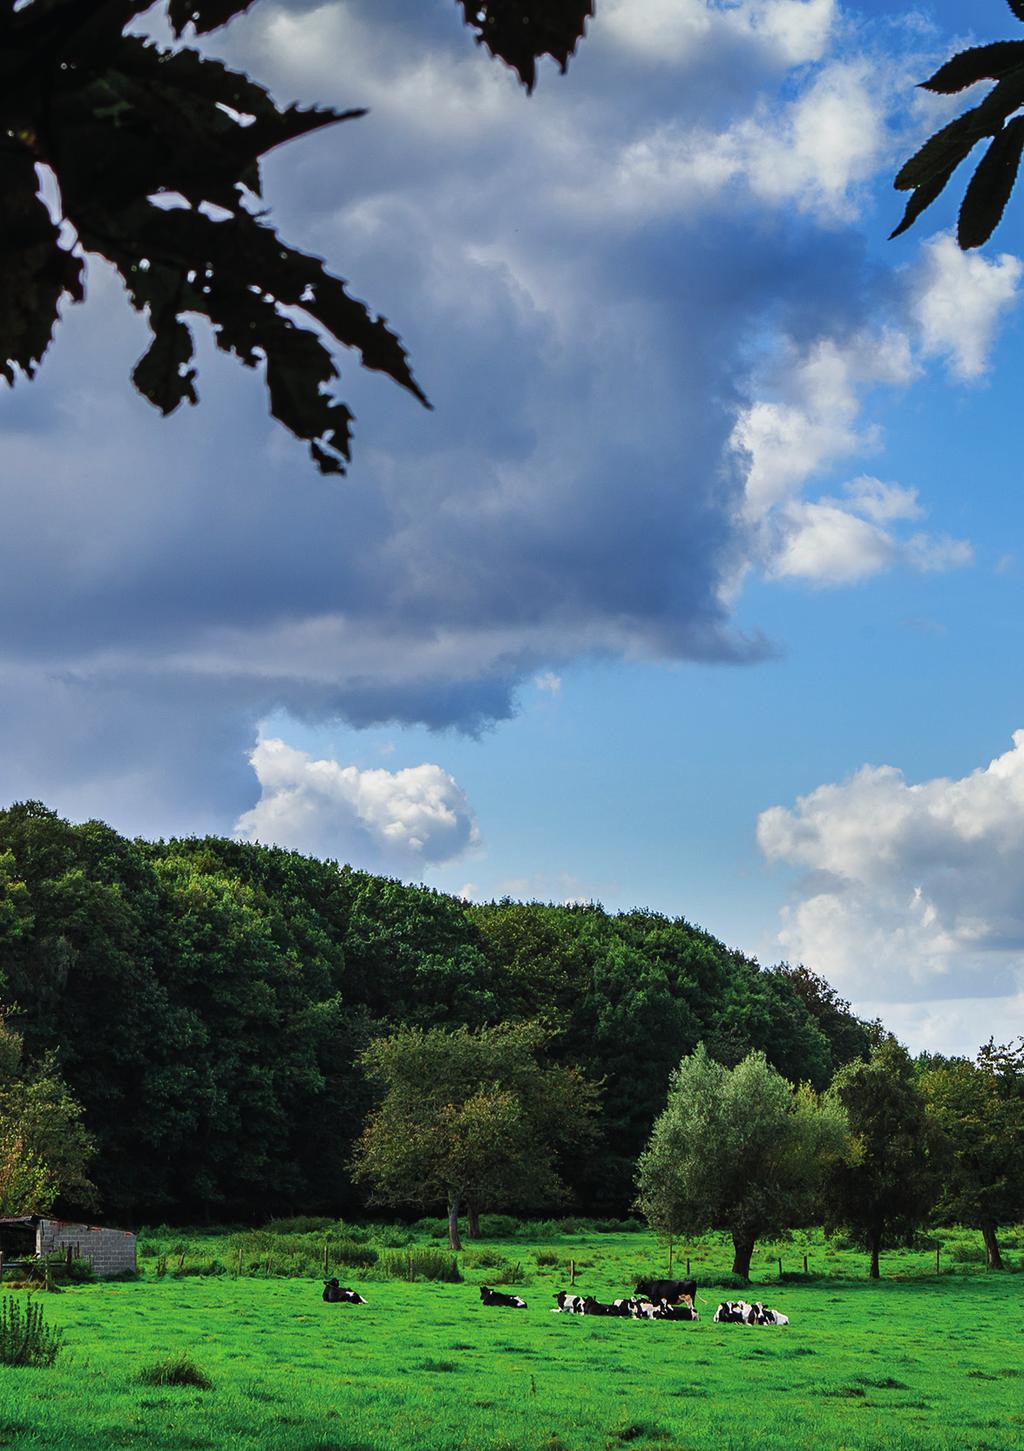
(911,892)
(371,818)
(668,32)
(959,300)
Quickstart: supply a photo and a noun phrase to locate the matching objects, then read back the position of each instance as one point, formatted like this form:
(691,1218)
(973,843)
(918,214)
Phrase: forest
(206,1002)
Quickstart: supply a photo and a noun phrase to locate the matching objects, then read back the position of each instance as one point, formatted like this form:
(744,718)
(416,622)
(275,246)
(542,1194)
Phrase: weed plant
(25,1337)
(175,1370)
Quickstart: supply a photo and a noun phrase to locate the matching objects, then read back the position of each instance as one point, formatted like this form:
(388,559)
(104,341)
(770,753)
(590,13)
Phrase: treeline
(207,1001)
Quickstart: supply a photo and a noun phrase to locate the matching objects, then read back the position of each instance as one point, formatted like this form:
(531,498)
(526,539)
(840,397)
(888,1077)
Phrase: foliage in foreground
(929,170)
(25,1337)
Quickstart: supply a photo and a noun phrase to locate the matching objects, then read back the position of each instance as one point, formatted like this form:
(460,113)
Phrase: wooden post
(239,1261)
(780,1269)
(805,1264)
(326,1265)
(1,1266)
(687,1266)
(67,1256)
(409,1270)
(572,1272)
(670,1256)
(936,1259)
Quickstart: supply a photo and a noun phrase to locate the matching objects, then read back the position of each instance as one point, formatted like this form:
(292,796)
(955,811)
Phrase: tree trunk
(454,1242)
(874,1244)
(992,1255)
(473,1222)
(743,1249)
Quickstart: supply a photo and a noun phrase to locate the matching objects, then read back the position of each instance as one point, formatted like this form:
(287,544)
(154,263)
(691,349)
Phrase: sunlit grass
(914,1363)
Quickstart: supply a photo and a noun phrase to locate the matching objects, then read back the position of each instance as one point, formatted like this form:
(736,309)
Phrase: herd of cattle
(653,1300)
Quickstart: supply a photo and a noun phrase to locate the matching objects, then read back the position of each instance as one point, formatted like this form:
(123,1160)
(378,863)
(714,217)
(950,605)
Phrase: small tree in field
(737,1149)
(44,1147)
(470,1117)
(887,1185)
(979,1108)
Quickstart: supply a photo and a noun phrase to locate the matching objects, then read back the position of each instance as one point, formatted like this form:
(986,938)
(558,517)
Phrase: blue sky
(701,587)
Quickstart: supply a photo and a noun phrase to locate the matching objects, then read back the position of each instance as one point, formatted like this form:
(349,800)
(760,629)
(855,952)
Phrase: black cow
(671,1290)
(495,1297)
(335,1295)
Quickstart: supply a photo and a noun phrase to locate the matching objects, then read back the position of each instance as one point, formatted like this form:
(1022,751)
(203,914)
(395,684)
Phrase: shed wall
(110,1251)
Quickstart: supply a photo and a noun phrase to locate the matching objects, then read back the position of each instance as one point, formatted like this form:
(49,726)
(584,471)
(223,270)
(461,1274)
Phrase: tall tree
(889,1182)
(737,1149)
(471,1116)
(44,1146)
(980,1109)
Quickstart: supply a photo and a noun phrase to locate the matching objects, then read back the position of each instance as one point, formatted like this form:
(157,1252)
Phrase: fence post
(409,1267)
(936,1259)
(780,1269)
(239,1261)
(805,1264)
(326,1266)
(670,1256)
(687,1266)
(572,1272)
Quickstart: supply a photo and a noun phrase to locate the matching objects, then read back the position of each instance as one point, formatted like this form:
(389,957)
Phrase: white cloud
(913,892)
(791,32)
(958,301)
(548,681)
(372,818)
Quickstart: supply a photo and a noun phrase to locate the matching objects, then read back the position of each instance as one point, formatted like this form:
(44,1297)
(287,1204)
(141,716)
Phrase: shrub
(966,1254)
(420,1264)
(300,1224)
(161,1266)
(25,1337)
(485,1259)
(209,1267)
(79,1272)
(547,1257)
(498,1226)
(175,1370)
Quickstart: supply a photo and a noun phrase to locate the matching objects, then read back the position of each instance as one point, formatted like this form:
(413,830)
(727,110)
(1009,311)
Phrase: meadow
(919,1360)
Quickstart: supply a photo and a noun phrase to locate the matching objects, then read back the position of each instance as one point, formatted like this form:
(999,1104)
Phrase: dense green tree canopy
(208,1001)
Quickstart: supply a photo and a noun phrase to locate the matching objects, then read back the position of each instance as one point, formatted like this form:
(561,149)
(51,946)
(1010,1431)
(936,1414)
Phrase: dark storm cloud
(167,583)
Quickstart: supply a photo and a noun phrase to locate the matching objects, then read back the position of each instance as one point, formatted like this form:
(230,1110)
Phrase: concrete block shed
(109,1251)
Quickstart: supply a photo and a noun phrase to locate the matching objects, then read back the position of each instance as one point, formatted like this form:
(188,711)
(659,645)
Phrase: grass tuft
(175,1370)
(25,1337)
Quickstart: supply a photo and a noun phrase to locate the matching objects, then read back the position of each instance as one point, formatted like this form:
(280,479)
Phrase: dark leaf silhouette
(927,172)
(156,154)
(519,32)
(990,187)
(980,63)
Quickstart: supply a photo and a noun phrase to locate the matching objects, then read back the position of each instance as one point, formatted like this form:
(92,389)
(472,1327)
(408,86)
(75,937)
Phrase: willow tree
(738,1149)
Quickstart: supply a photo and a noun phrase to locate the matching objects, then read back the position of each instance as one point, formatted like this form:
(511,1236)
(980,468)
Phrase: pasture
(919,1362)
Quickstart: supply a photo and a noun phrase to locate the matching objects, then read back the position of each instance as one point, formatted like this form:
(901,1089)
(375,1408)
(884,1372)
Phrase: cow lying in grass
(634,1309)
(738,1312)
(335,1295)
(495,1297)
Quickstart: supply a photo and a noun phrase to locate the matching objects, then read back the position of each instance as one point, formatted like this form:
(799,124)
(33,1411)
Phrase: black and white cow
(495,1297)
(335,1295)
(569,1304)
(671,1290)
(739,1312)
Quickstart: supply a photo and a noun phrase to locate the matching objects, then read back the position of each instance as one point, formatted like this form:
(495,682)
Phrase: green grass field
(917,1361)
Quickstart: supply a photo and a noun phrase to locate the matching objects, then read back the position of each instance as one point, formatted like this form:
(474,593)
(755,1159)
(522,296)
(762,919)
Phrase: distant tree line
(207,1002)
(203,1028)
